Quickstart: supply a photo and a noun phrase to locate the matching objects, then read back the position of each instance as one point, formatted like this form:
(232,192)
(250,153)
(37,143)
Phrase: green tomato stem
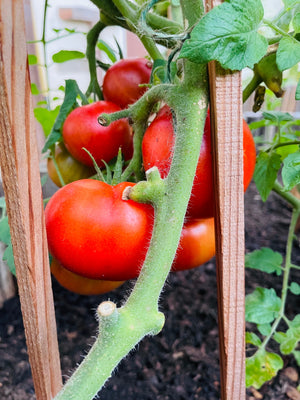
(92,39)
(286,275)
(132,19)
(251,87)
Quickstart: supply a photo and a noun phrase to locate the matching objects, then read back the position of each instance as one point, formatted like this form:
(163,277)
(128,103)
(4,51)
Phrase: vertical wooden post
(227,112)
(19,163)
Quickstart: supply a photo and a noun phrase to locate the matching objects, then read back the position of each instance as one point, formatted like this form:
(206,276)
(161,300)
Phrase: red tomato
(79,284)
(121,83)
(94,233)
(70,169)
(82,130)
(196,245)
(157,150)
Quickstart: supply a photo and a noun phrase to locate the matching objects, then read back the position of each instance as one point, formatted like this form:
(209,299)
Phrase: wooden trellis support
(226,107)
(21,180)
(19,163)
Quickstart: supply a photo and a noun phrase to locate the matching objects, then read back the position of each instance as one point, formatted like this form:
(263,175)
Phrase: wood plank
(227,129)
(226,111)
(19,163)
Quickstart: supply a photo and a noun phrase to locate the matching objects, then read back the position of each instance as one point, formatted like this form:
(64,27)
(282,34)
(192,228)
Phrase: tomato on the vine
(70,169)
(81,129)
(80,284)
(157,148)
(93,232)
(124,80)
(196,245)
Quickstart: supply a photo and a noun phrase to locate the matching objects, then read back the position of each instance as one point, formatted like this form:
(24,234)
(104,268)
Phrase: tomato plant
(80,284)
(157,148)
(90,234)
(82,130)
(94,233)
(69,168)
(126,80)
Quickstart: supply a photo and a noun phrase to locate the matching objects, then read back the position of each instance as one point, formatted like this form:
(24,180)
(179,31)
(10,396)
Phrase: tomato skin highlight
(80,284)
(196,245)
(94,233)
(81,129)
(121,83)
(70,169)
(157,149)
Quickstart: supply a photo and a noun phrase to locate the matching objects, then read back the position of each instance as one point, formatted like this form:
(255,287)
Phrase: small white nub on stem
(106,308)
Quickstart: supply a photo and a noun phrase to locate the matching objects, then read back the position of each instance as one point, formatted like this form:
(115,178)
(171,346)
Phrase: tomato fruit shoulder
(81,130)
(124,80)
(157,149)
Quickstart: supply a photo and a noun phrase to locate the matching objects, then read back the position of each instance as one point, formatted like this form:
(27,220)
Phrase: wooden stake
(19,163)
(226,110)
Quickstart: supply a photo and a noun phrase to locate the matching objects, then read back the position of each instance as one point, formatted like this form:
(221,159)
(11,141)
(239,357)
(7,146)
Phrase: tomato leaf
(6,239)
(67,55)
(34,89)
(8,256)
(295,288)
(32,59)
(4,231)
(277,116)
(264,329)
(291,171)
(266,170)
(289,340)
(296,22)
(262,306)
(252,338)
(107,50)
(297,95)
(262,367)
(70,102)
(265,260)
(46,118)
(228,34)
(288,53)
(297,356)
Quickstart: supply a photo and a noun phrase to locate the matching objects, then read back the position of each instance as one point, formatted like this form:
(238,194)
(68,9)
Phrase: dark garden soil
(181,363)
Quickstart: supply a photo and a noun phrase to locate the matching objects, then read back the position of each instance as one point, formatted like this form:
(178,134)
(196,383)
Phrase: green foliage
(262,306)
(67,55)
(266,170)
(228,33)
(265,260)
(262,367)
(291,171)
(288,53)
(72,91)
(46,118)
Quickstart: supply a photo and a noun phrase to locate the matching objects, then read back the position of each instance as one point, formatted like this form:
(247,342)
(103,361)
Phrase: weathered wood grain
(19,163)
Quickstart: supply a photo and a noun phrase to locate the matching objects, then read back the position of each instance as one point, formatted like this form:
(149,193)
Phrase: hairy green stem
(132,18)
(288,196)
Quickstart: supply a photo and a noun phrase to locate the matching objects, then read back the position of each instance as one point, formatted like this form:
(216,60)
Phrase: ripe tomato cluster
(97,239)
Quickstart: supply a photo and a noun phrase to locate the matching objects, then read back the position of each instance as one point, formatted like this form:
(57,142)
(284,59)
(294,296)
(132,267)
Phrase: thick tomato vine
(157,148)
